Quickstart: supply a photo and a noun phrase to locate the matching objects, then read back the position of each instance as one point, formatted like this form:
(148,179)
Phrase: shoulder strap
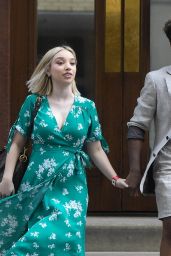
(36,107)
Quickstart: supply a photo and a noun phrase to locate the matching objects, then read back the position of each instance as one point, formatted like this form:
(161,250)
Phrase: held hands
(119,182)
(133,180)
(6,188)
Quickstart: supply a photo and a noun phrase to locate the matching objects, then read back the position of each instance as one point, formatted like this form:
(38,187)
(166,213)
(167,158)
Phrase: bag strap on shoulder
(37,106)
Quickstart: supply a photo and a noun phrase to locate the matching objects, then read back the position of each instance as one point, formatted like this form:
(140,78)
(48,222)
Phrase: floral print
(47,215)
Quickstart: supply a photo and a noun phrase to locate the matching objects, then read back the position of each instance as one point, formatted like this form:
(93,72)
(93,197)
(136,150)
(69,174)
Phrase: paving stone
(112,234)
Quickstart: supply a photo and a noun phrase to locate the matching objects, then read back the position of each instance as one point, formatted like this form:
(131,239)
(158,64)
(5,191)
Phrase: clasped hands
(120,183)
(132,182)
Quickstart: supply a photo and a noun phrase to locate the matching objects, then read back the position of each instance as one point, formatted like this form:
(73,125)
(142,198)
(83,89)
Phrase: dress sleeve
(94,131)
(23,122)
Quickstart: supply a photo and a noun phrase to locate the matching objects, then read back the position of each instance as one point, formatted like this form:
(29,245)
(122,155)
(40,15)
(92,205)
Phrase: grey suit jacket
(153,113)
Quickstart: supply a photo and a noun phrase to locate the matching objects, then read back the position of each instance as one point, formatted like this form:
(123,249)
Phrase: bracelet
(116,177)
(114,180)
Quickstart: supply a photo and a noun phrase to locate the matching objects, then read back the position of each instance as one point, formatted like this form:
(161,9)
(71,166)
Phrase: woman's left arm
(102,162)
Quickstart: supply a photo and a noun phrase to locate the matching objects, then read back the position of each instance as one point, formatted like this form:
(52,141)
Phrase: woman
(48,215)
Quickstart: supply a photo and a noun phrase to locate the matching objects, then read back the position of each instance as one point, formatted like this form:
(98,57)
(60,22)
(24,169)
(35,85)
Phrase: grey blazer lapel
(168,70)
(168,79)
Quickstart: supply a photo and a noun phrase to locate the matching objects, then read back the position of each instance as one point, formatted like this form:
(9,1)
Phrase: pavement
(122,236)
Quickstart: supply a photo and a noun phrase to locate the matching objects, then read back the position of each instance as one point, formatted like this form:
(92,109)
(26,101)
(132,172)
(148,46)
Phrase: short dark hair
(167,29)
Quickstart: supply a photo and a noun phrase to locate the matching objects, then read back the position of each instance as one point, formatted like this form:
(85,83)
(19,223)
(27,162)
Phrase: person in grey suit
(153,114)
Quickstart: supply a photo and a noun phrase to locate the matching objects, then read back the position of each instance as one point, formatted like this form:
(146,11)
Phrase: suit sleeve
(146,105)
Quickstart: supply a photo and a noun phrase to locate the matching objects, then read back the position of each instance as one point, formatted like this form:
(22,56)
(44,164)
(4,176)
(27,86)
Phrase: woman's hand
(121,183)
(6,185)
(6,188)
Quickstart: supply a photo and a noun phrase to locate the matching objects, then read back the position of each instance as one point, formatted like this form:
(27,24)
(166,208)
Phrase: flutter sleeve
(23,121)
(95,131)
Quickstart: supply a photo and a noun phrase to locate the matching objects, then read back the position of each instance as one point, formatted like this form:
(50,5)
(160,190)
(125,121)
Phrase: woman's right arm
(6,185)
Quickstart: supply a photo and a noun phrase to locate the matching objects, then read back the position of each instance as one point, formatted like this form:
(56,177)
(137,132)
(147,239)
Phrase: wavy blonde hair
(40,82)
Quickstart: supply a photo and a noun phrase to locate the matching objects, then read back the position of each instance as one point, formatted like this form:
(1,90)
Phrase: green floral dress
(48,214)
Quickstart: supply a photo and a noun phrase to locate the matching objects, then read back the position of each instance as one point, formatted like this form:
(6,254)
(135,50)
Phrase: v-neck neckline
(67,116)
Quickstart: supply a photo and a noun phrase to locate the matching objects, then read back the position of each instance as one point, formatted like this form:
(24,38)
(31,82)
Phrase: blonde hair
(40,82)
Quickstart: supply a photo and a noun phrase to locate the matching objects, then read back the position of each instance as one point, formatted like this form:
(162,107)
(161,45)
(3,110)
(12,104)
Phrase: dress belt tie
(82,159)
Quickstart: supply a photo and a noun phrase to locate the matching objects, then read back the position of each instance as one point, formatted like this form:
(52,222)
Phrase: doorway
(70,23)
(122,60)
(112,42)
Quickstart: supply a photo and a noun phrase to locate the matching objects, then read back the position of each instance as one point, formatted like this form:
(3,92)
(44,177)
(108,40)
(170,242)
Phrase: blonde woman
(47,216)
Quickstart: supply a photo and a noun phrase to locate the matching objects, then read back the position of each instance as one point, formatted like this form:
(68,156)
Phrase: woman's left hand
(121,183)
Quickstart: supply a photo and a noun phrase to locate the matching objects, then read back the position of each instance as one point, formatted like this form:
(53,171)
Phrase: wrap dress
(47,216)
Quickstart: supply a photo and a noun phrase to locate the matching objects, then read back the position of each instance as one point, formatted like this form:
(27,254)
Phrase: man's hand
(133,180)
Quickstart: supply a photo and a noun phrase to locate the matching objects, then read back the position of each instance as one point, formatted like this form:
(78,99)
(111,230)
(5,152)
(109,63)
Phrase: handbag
(23,160)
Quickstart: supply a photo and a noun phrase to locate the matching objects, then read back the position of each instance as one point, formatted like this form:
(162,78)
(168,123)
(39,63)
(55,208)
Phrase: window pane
(113,36)
(131,35)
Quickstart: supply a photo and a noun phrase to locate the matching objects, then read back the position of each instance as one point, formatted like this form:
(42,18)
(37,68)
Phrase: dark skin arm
(134,155)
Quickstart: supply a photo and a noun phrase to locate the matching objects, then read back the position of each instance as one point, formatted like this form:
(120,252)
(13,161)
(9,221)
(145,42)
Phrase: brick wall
(66,5)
